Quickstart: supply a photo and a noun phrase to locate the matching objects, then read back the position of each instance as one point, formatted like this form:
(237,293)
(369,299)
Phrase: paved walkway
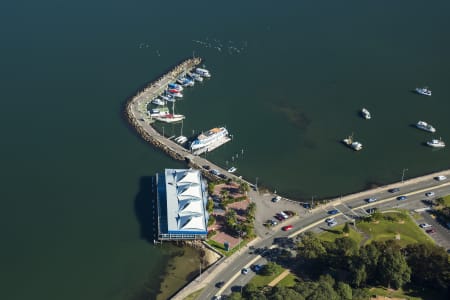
(280,277)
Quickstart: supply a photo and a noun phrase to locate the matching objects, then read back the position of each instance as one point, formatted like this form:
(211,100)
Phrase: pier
(136,114)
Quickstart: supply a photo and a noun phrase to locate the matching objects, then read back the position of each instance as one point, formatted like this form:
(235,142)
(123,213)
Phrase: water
(288,83)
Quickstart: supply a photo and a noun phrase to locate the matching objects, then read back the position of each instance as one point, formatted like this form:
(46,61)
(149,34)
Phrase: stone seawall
(148,133)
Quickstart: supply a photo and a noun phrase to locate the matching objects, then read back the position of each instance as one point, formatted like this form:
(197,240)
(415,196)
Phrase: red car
(286,228)
(431,231)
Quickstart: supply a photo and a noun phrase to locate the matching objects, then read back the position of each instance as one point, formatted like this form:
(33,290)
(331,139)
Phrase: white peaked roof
(185,192)
(192,223)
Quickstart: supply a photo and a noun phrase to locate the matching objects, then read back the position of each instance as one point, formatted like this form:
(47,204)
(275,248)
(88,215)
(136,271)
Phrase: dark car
(220,284)
(223,176)
(333,211)
(400,198)
(256,268)
(431,231)
(371,210)
(306,205)
(206,167)
(394,190)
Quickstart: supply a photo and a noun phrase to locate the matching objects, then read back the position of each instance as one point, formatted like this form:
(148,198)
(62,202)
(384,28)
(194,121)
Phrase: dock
(136,114)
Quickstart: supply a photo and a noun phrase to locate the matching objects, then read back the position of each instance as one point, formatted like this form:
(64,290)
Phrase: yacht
(155,112)
(196,77)
(423,91)
(157,101)
(177,95)
(352,144)
(207,138)
(366,114)
(170,118)
(202,72)
(425,126)
(436,143)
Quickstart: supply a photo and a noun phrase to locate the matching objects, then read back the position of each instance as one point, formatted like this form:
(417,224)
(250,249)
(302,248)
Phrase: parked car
(206,167)
(425,225)
(220,284)
(440,177)
(215,172)
(333,212)
(244,271)
(306,205)
(371,210)
(400,198)
(431,231)
(329,220)
(394,190)
(256,268)
(370,200)
(429,194)
(276,199)
(287,228)
(279,217)
(332,224)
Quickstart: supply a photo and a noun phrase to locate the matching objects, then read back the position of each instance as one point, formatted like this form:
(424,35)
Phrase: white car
(440,177)
(425,225)
(244,271)
(429,194)
(276,199)
(329,220)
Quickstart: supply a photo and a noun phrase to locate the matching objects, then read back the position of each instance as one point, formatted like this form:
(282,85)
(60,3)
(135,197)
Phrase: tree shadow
(331,230)
(145,208)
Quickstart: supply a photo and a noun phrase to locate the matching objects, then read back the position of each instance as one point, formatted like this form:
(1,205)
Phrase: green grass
(288,281)
(261,280)
(392,293)
(446,200)
(220,247)
(387,230)
(336,232)
(194,295)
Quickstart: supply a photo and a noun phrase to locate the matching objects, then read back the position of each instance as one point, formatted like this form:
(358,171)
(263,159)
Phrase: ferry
(352,144)
(157,101)
(436,143)
(207,138)
(425,126)
(366,114)
(423,91)
(202,72)
(232,170)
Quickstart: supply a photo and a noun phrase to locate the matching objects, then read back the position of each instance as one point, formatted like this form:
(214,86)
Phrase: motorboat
(352,144)
(196,77)
(202,72)
(175,86)
(423,91)
(366,114)
(232,170)
(170,118)
(155,112)
(157,101)
(435,143)
(425,126)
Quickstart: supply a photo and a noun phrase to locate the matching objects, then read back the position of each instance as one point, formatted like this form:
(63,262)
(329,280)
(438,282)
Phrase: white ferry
(202,72)
(425,126)
(207,138)
(436,143)
(366,114)
(352,144)
(423,91)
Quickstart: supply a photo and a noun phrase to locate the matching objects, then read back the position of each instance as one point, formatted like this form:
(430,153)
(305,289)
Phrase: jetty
(141,121)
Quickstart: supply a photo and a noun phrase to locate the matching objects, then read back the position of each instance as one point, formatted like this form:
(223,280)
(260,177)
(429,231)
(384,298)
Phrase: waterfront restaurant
(181,197)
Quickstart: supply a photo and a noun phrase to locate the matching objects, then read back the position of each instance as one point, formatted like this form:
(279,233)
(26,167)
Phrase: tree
(210,206)
(393,269)
(235,296)
(284,293)
(310,246)
(211,220)
(270,268)
(440,201)
(250,289)
(346,228)
(344,291)
(243,187)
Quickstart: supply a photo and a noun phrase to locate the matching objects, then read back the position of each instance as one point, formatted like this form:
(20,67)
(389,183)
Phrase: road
(348,209)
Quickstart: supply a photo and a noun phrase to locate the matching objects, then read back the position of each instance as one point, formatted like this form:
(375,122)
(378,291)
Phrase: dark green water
(288,83)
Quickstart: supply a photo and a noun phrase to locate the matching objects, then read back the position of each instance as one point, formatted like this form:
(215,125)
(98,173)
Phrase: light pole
(163,131)
(403,173)
(256,185)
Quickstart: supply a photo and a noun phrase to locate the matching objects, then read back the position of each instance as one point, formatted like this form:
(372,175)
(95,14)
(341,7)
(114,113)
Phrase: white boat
(423,91)
(170,117)
(175,86)
(436,143)
(177,95)
(195,76)
(352,144)
(181,139)
(155,112)
(157,101)
(232,170)
(366,114)
(202,72)
(425,126)
(209,137)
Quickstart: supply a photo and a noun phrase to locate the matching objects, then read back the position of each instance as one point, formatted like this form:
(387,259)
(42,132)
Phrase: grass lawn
(392,293)
(288,281)
(194,295)
(261,280)
(447,200)
(219,247)
(336,232)
(386,230)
